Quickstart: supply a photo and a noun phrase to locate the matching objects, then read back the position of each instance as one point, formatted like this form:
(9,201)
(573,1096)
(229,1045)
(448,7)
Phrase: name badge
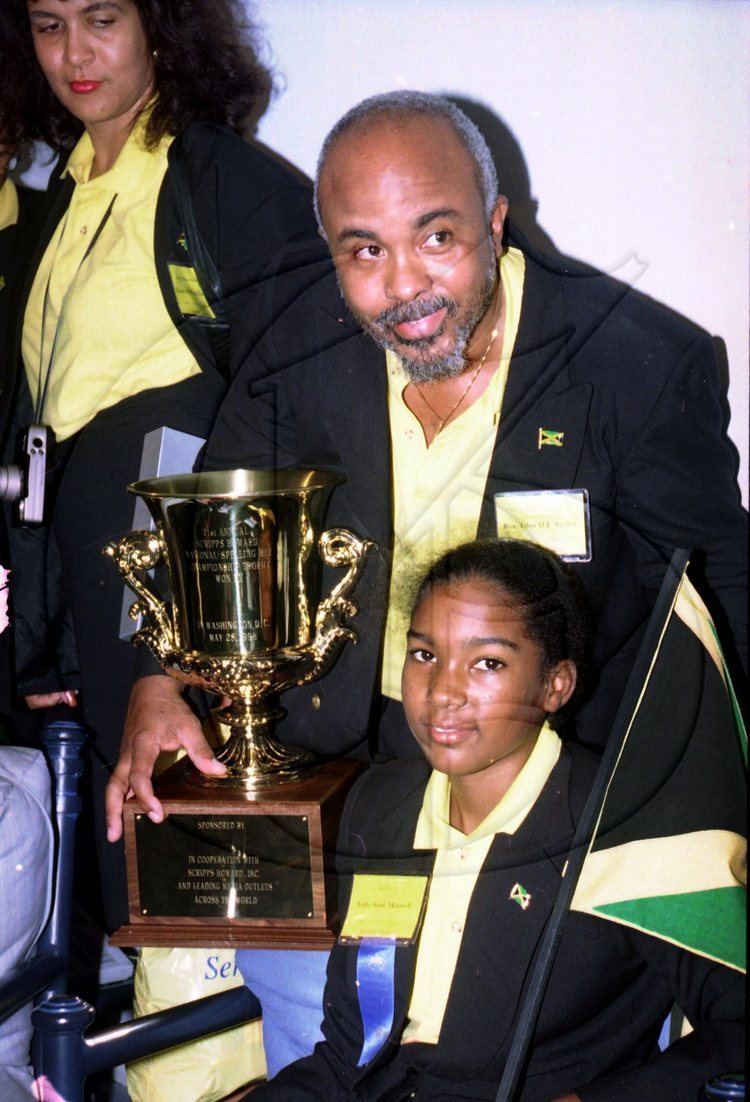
(187,290)
(384,908)
(559,520)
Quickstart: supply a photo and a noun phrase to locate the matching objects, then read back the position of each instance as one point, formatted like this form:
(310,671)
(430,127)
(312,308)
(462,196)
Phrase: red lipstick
(83,87)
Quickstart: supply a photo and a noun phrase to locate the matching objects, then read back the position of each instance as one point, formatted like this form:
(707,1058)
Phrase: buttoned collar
(126,174)
(8,205)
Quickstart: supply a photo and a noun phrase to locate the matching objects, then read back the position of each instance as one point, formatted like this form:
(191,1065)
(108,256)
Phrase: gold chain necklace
(443,421)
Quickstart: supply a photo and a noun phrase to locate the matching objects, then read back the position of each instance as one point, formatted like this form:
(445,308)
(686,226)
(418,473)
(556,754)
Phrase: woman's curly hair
(206,68)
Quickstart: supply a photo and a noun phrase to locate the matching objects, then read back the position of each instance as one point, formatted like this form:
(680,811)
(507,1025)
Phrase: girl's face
(475,689)
(95,56)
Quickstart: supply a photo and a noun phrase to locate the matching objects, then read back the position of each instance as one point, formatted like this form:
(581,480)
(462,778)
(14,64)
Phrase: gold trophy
(243,552)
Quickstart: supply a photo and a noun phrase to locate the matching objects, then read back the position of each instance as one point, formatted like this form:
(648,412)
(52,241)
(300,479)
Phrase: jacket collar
(535,856)
(356,414)
(538,395)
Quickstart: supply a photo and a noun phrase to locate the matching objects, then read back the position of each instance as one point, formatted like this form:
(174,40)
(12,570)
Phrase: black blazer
(636,393)
(16,244)
(609,991)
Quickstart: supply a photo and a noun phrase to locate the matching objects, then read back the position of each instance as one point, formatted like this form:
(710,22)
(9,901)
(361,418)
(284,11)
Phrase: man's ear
(497,222)
(559,685)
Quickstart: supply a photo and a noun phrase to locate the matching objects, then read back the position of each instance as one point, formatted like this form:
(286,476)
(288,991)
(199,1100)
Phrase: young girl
(467,849)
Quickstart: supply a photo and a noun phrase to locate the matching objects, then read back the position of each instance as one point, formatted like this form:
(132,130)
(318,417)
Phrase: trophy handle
(133,555)
(337,547)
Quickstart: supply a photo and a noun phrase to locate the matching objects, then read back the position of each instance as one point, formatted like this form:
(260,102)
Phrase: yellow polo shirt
(458,864)
(115,337)
(438,491)
(8,204)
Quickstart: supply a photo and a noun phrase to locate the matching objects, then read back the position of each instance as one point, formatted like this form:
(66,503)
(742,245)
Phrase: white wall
(631,115)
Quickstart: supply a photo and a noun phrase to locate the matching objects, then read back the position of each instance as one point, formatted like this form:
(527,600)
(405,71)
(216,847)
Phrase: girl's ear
(559,685)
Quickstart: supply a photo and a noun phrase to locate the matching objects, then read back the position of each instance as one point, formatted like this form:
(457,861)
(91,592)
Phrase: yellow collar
(434,830)
(8,205)
(125,174)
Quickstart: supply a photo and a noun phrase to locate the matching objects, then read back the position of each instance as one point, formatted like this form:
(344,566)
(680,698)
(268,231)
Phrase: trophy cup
(240,858)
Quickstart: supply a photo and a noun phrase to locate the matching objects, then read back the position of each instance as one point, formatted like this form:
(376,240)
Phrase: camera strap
(43,387)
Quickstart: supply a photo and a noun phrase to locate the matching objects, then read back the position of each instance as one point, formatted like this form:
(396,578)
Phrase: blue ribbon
(375,970)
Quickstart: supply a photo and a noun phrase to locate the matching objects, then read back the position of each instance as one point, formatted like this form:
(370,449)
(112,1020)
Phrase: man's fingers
(145,753)
(114,797)
(143,791)
(200,753)
(158,719)
(118,790)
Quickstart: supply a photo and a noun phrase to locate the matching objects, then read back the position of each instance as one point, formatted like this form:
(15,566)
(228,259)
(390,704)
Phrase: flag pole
(545,955)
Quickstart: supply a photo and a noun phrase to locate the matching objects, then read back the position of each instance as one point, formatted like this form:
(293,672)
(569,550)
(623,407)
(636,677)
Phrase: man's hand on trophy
(158,719)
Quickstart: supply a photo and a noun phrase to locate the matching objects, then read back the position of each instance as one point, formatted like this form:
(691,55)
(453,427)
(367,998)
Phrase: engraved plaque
(225,866)
(231,868)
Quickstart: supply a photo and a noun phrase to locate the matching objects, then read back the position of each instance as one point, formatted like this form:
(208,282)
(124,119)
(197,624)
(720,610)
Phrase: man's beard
(414,354)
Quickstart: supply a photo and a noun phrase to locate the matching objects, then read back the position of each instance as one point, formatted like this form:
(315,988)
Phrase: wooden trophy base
(236,869)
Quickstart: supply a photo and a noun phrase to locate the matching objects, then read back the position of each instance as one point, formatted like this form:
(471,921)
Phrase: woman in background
(120,330)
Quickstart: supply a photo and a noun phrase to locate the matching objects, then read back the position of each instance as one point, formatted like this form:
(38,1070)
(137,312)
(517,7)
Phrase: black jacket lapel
(396,838)
(538,396)
(502,936)
(356,374)
(356,420)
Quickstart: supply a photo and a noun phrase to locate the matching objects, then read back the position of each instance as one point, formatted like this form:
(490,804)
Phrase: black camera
(23,482)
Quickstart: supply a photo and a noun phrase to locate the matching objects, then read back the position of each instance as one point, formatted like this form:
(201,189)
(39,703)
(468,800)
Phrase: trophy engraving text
(227,867)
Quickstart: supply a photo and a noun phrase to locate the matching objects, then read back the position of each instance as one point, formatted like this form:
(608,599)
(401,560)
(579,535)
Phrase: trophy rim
(241,482)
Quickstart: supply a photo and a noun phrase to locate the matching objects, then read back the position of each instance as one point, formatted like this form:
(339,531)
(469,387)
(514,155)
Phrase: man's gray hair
(402,104)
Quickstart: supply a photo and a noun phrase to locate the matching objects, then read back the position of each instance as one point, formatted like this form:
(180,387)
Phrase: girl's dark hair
(550,597)
(206,68)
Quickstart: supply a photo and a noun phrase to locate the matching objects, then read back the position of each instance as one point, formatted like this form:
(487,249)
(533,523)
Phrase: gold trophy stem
(254,759)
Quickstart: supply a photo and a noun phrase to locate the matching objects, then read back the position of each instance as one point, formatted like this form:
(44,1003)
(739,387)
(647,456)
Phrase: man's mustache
(413,311)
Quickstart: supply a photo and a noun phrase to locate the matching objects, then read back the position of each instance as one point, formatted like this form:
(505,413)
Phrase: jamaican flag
(660,845)
(668,854)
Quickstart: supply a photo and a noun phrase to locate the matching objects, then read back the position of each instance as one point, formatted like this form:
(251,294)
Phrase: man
(468,371)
